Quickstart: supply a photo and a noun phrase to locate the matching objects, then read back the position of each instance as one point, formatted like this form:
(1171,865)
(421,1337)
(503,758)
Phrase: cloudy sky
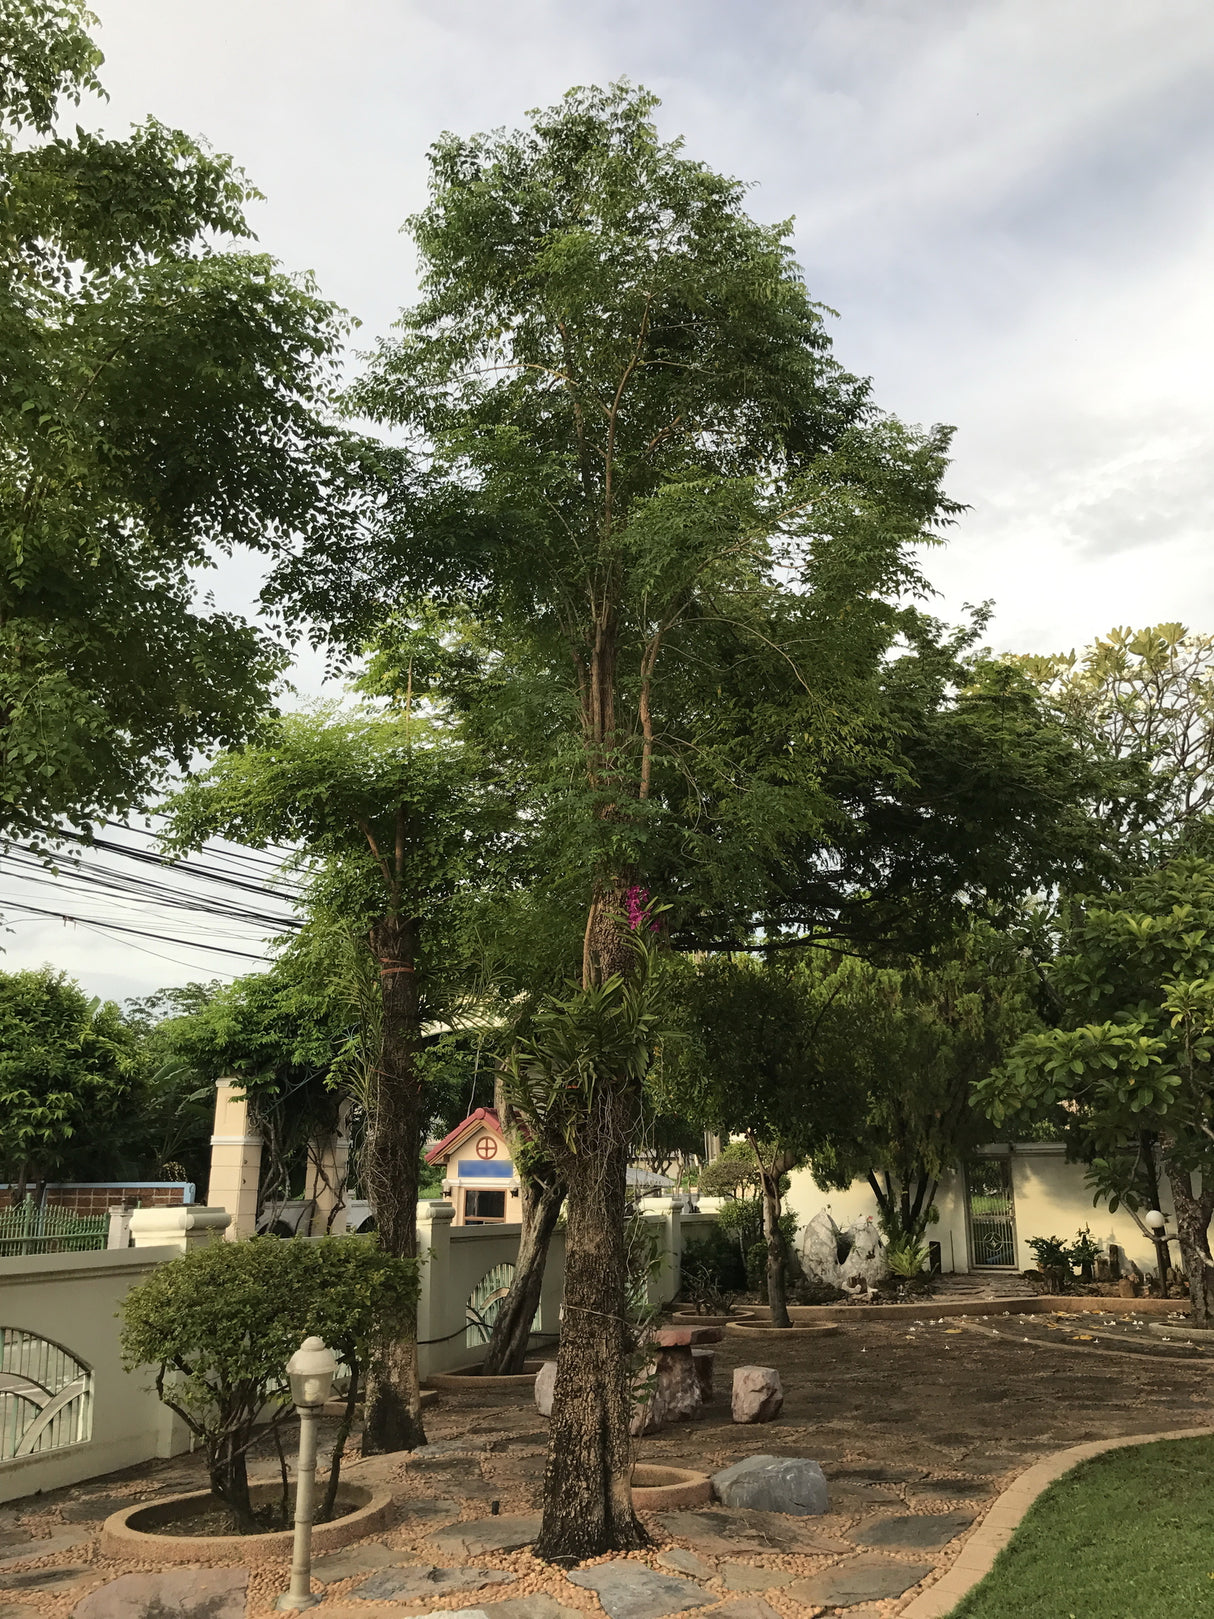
(1009,202)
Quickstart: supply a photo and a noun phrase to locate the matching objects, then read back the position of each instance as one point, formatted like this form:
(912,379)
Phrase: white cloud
(1010,202)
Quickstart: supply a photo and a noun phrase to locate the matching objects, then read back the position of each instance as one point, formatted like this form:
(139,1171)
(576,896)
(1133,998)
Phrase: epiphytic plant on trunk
(576,1077)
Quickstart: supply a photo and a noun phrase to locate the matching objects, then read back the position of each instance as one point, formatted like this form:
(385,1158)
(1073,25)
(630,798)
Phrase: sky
(1010,203)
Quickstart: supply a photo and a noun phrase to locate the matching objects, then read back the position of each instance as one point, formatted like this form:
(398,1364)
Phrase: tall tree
(1147,697)
(383,809)
(162,401)
(1133,1052)
(641,466)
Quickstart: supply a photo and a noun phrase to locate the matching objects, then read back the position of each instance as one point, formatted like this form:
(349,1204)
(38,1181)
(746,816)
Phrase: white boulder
(820,1250)
(866,1260)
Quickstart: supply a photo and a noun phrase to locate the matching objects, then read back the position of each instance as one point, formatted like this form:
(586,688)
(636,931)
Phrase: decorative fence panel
(46,1396)
(44,1228)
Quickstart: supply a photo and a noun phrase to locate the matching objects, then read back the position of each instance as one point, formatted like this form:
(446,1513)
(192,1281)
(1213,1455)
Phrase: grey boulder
(789,1484)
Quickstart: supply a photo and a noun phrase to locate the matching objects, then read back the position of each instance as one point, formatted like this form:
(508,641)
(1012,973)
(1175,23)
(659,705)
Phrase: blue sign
(476,1170)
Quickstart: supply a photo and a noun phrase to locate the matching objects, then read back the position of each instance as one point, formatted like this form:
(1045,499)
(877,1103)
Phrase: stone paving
(917,1426)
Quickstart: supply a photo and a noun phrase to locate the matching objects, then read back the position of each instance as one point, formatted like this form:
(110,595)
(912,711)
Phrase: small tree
(383,811)
(922,1036)
(219,1324)
(756,1062)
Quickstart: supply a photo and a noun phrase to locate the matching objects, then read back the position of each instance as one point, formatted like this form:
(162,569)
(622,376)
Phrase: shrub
(756,1258)
(906,1257)
(714,1263)
(220,1322)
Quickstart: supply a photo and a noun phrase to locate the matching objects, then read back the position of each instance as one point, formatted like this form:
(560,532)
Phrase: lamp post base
(289,1604)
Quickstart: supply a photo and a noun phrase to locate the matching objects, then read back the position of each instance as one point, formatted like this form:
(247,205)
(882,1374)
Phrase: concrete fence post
(181,1228)
(235,1160)
(118,1232)
(434,1302)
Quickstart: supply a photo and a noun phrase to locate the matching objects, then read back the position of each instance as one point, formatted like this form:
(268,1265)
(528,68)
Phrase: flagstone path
(917,1425)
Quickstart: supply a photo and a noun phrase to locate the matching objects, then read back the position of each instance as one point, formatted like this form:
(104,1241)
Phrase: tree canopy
(164,400)
(1132,1056)
(920,1039)
(68,1070)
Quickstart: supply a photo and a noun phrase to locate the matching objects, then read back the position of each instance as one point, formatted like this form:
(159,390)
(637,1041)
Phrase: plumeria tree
(1132,1055)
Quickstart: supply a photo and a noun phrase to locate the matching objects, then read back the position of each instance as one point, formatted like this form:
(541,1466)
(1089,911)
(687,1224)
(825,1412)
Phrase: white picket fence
(68,1409)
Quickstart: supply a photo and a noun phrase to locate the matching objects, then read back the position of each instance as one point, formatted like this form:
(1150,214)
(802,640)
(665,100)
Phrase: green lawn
(1128,1535)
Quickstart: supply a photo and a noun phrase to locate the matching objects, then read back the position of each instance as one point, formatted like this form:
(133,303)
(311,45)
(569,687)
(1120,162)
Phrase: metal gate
(44,1228)
(992,1214)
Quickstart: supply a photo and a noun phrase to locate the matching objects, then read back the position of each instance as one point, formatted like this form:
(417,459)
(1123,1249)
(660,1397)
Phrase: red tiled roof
(483,1115)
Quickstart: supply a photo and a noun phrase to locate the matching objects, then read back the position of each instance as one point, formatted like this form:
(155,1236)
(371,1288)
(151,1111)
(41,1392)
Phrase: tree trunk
(587,1494)
(1160,1242)
(1193,1231)
(392,1419)
(777,1258)
(507,1351)
(228,1472)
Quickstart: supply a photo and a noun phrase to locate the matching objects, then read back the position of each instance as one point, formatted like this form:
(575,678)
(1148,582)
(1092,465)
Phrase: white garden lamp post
(311,1370)
(1155,1221)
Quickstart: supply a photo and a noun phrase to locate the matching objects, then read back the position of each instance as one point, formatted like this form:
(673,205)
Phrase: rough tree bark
(392,1418)
(587,1483)
(587,1497)
(542,1201)
(1193,1215)
(777,1291)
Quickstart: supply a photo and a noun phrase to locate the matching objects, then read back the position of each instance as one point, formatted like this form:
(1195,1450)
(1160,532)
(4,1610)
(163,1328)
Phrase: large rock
(866,1261)
(790,1484)
(758,1394)
(820,1250)
(666,1390)
(631,1590)
(545,1383)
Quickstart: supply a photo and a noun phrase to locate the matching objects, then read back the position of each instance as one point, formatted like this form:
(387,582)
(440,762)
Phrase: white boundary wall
(456,1258)
(72,1300)
(1050,1198)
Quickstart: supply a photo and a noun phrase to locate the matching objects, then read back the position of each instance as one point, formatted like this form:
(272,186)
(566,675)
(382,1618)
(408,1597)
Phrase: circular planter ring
(764,1329)
(660,1489)
(470,1380)
(135,1533)
(687,1318)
